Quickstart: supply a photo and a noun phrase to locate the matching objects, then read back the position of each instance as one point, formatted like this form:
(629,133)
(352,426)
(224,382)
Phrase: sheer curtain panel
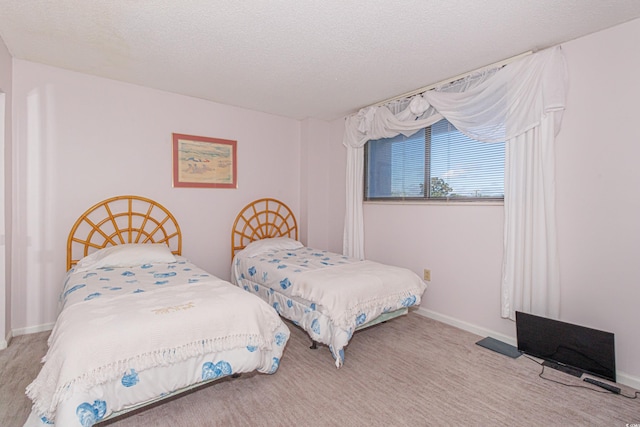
(521,104)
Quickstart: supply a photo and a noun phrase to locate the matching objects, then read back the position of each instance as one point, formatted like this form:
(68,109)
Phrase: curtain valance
(490,107)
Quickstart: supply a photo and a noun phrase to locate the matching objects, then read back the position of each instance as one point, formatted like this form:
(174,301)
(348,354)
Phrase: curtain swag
(522,104)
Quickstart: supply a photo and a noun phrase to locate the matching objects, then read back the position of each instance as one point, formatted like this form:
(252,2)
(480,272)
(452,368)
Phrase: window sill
(435,202)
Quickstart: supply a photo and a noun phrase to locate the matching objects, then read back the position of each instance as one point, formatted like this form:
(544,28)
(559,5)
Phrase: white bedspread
(111,347)
(350,289)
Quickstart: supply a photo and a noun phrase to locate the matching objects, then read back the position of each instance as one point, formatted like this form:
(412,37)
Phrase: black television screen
(566,345)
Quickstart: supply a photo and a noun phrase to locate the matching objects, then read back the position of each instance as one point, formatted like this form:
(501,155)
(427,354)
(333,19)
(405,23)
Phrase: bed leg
(314,345)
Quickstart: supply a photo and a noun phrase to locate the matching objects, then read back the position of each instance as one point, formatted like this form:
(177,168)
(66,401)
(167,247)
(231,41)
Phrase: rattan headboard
(262,219)
(120,220)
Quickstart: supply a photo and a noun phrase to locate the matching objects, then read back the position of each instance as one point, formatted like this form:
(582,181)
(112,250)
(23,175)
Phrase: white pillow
(265,245)
(127,255)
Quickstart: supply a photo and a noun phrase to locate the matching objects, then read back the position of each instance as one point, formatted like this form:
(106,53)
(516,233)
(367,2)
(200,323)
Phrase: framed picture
(199,161)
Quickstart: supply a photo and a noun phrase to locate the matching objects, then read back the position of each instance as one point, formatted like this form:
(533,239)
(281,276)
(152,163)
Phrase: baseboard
(33,329)
(623,378)
(465,326)
(628,380)
(4,343)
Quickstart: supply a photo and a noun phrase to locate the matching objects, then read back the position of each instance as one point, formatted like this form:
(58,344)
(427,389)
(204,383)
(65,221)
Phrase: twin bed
(139,323)
(328,295)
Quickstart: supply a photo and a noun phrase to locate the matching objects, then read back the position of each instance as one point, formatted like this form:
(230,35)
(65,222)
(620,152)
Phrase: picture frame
(204,162)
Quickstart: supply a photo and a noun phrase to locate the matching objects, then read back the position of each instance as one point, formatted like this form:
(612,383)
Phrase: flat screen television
(573,349)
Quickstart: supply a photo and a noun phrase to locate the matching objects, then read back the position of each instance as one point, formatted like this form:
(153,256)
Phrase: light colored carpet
(410,371)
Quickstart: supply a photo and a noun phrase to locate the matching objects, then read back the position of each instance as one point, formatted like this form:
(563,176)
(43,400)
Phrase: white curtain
(521,104)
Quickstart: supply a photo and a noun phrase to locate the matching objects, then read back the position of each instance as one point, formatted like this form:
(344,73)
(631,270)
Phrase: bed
(139,323)
(328,295)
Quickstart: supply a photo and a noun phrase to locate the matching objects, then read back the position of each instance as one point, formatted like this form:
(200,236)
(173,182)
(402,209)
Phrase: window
(435,163)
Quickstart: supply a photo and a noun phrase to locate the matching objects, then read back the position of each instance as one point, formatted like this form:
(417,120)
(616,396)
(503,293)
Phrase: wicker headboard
(262,219)
(120,220)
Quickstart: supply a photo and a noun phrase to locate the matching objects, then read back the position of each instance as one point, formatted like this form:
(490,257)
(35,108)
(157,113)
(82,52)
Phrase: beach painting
(199,161)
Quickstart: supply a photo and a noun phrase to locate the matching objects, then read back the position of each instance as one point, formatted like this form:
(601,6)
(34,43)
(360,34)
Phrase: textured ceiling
(297,58)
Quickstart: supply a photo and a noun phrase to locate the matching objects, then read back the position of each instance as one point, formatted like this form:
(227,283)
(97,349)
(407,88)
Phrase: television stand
(563,368)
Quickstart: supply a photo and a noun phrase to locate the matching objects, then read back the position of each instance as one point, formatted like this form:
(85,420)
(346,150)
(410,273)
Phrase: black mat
(500,347)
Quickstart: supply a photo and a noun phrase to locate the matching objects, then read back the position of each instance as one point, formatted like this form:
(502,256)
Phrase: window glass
(435,163)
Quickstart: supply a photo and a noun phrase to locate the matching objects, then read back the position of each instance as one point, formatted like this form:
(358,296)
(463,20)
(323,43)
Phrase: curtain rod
(452,79)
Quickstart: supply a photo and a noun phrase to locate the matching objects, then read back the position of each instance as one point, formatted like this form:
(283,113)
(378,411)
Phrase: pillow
(127,255)
(272,244)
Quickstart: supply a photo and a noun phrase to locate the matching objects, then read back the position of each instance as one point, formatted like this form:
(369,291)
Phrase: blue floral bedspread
(327,294)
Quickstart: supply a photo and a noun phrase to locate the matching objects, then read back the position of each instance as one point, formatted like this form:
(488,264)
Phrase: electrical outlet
(427,275)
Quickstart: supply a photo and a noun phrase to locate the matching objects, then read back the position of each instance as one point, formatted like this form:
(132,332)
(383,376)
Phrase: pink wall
(324,163)
(598,184)
(80,139)
(5,193)
(598,213)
